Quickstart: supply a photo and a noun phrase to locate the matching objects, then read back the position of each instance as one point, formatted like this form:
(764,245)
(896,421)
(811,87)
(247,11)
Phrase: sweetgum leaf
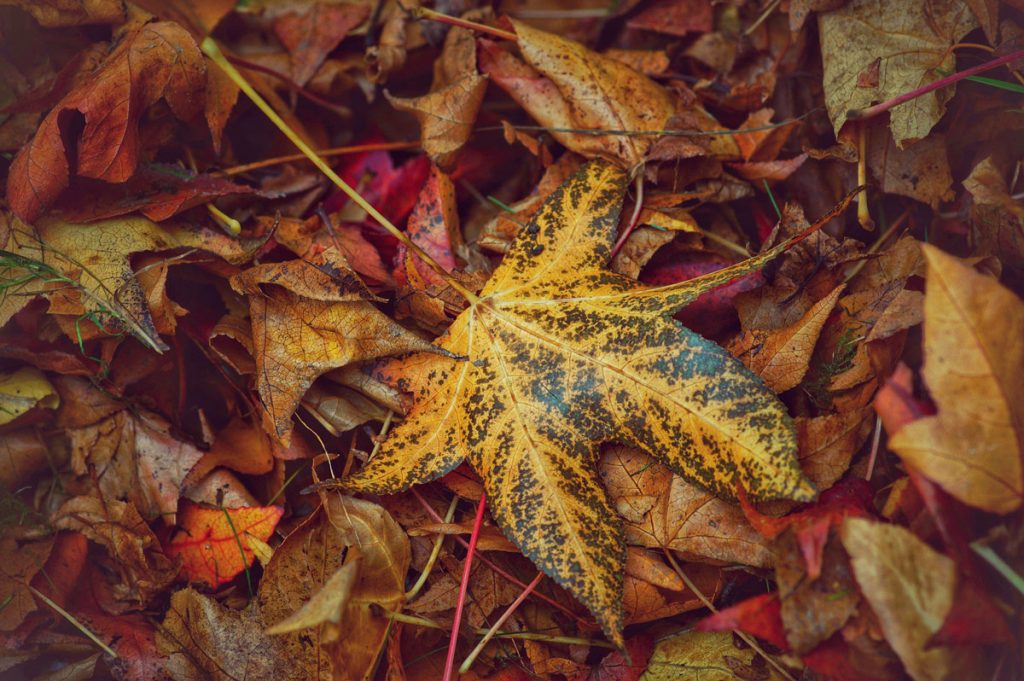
(561,355)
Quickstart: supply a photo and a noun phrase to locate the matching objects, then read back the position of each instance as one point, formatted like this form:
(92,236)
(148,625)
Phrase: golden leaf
(974,355)
(562,354)
(566,86)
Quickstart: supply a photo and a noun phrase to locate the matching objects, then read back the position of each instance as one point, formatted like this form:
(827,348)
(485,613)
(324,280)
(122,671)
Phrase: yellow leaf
(96,257)
(909,586)
(700,656)
(561,355)
(566,86)
(912,42)
(22,390)
(974,355)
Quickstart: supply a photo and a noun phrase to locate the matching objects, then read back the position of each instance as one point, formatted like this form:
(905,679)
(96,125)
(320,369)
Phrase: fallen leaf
(213,542)
(326,605)
(446,114)
(782,356)
(759,615)
(23,390)
(972,447)
(75,12)
(548,306)
(22,562)
(157,61)
(313,31)
(133,457)
(97,257)
(157,191)
(913,41)
(145,571)
(22,454)
(622,666)
(998,219)
(566,86)
(203,639)
(909,586)
(827,443)
(674,17)
(321,321)
(921,171)
(707,656)
(663,511)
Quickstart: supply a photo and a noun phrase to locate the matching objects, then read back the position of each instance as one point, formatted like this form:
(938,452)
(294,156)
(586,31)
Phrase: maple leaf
(562,354)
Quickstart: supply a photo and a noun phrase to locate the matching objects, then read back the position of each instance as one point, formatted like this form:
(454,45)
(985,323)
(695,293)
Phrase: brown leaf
(58,13)
(914,43)
(133,457)
(22,562)
(827,443)
(998,220)
(674,17)
(155,61)
(310,33)
(447,113)
(921,171)
(973,357)
(909,586)
(782,356)
(144,570)
(661,510)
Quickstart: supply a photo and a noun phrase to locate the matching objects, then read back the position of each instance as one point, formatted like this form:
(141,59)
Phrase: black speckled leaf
(563,355)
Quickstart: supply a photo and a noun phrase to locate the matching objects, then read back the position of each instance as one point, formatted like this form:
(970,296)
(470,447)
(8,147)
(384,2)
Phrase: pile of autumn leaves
(168,388)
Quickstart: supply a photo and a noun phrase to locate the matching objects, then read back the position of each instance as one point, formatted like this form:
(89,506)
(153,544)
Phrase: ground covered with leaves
(652,339)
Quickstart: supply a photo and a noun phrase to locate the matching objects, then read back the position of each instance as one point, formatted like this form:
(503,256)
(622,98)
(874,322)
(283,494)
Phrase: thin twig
(872,111)
(468,662)
(323,153)
(522,635)
(434,553)
(74,622)
(449,663)
(633,219)
(209,46)
(425,13)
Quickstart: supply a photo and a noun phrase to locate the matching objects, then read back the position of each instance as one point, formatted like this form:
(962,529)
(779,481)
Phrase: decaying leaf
(447,113)
(707,656)
(554,366)
(973,359)
(155,61)
(909,586)
(913,41)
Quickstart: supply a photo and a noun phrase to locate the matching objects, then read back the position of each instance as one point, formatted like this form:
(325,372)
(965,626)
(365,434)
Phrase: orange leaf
(209,544)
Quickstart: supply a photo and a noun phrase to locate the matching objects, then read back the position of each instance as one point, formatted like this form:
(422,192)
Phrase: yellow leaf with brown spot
(23,390)
(974,355)
(560,354)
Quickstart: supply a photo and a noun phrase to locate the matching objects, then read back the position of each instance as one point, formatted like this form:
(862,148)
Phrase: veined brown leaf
(561,355)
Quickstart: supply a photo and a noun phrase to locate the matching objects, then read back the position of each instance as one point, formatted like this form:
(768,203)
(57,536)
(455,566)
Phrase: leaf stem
(471,658)
(449,662)
(872,111)
(435,552)
(633,219)
(209,46)
(522,635)
(433,15)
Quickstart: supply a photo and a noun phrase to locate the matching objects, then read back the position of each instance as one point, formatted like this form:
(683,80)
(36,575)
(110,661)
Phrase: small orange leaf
(214,550)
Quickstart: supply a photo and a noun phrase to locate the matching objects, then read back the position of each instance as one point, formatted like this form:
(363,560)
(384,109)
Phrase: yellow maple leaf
(561,355)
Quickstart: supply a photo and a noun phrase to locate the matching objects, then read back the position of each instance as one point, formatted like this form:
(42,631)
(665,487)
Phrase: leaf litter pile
(653,339)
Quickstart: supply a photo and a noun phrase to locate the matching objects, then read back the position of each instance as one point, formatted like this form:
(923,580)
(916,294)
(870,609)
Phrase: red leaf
(313,32)
(760,616)
(974,619)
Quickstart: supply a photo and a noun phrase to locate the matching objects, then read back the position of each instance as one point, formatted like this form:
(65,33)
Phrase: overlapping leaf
(562,354)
